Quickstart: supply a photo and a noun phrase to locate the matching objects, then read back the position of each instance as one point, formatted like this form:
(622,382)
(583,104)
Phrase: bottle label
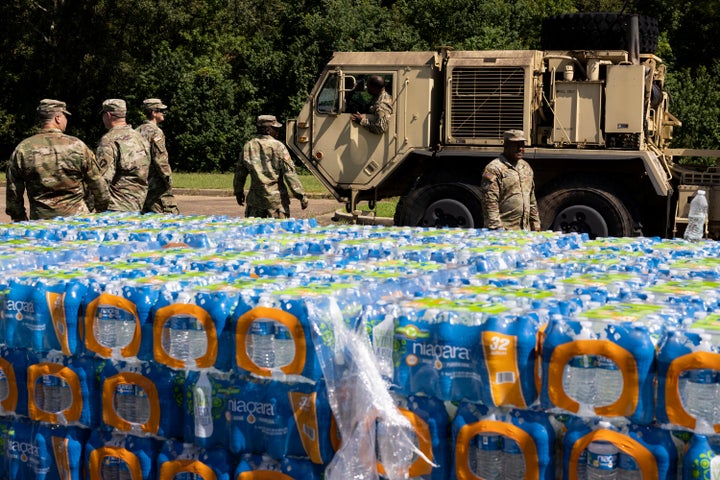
(184,335)
(502,367)
(115,458)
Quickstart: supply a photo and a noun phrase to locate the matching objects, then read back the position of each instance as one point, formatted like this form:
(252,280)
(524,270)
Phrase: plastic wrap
(360,401)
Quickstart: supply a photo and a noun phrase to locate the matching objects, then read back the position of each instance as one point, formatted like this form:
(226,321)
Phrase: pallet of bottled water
(149,346)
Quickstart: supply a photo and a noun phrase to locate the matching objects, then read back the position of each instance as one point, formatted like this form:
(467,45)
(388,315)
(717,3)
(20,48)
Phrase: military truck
(597,122)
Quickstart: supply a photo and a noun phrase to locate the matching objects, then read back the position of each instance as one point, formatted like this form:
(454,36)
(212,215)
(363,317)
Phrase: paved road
(321,208)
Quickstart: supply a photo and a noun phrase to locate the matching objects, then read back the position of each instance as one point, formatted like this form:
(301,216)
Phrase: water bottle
(608,381)
(262,333)
(579,379)
(513,460)
(701,389)
(115,468)
(53,394)
(602,461)
(696,218)
(202,397)
(489,457)
(132,403)
(579,374)
(628,468)
(283,345)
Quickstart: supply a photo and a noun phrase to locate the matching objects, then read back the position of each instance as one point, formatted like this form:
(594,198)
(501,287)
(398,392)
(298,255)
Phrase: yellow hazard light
(318,155)
(302,125)
(302,139)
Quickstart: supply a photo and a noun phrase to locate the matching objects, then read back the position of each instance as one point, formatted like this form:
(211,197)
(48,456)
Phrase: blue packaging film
(117,455)
(177,459)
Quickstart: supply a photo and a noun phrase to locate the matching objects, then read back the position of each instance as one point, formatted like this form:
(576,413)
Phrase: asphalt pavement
(208,202)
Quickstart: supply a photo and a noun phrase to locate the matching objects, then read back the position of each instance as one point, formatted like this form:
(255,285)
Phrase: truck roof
(390,59)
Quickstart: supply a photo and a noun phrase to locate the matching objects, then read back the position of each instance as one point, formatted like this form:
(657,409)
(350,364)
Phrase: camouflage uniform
(124,159)
(160,198)
(380,112)
(270,167)
(55,169)
(509,196)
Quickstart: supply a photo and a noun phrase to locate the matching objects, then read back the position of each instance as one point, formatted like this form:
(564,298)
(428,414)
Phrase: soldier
(508,188)
(380,110)
(160,198)
(124,159)
(55,169)
(270,167)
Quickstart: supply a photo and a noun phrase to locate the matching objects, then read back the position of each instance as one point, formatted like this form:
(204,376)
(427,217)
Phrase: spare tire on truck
(596,31)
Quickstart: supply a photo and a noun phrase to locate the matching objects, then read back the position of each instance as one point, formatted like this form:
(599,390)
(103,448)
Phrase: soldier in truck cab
(381,107)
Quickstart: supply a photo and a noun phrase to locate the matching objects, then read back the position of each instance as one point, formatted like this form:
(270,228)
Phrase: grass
(384,208)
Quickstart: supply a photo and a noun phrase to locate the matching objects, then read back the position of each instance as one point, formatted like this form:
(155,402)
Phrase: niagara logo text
(441,351)
(254,408)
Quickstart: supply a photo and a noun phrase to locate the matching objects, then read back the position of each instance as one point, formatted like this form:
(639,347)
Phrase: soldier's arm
(105,155)
(161,158)
(534,212)
(241,174)
(95,182)
(290,175)
(490,187)
(378,123)
(15,192)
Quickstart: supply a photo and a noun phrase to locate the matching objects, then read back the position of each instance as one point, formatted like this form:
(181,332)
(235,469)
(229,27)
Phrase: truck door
(344,152)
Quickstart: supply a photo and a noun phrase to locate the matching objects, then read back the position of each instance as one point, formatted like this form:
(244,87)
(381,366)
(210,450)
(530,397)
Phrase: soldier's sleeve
(241,173)
(379,122)
(534,212)
(95,182)
(105,155)
(490,188)
(161,159)
(291,178)
(15,192)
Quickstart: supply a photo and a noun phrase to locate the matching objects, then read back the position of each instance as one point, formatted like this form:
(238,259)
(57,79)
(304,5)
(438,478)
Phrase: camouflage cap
(514,136)
(268,121)
(154,104)
(115,106)
(48,106)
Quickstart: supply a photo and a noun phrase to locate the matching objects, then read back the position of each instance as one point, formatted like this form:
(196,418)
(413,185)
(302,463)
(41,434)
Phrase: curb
(226,192)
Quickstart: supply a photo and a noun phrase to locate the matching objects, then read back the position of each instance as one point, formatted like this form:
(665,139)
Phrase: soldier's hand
(240,197)
(304,202)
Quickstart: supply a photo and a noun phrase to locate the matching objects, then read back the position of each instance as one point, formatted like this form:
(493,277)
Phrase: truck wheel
(442,205)
(583,208)
(596,31)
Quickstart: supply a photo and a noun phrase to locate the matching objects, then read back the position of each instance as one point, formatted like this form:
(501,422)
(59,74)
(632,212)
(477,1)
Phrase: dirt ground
(190,204)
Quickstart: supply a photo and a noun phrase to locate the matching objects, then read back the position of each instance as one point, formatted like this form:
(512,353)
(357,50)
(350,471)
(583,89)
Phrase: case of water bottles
(149,346)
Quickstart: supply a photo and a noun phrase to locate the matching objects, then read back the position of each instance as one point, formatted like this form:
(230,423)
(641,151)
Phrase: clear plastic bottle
(132,403)
(628,468)
(202,397)
(608,381)
(696,218)
(115,468)
(701,389)
(4,386)
(489,457)
(602,461)
(579,375)
(262,336)
(53,394)
(284,346)
(513,460)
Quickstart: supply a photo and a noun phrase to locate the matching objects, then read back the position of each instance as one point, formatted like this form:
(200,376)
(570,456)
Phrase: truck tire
(586,207)
(455,205)
(596,31)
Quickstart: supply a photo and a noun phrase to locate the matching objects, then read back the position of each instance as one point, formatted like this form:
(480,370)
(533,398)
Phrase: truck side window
(329,97)
(359,100)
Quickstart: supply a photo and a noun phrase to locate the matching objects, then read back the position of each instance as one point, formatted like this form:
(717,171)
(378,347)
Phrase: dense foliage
(220,63)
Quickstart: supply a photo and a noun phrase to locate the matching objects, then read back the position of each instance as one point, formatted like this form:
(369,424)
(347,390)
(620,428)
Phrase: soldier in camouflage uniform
(381,109)
(508,188)
(270,167)
(55,169)
(124,159)
(160,198)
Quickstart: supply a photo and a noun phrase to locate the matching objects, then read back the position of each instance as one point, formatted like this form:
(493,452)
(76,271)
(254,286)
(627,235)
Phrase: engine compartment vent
(485,102)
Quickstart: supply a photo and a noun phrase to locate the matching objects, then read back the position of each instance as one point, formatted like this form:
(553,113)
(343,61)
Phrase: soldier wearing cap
(160,198)
(267,161)
(508,188)
(124,159)
(57,170)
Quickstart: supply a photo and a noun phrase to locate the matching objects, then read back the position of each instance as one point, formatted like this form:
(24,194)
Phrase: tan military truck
(597,121)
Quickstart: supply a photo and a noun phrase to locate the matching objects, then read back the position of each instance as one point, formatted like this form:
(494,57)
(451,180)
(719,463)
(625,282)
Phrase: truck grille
(486,101)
